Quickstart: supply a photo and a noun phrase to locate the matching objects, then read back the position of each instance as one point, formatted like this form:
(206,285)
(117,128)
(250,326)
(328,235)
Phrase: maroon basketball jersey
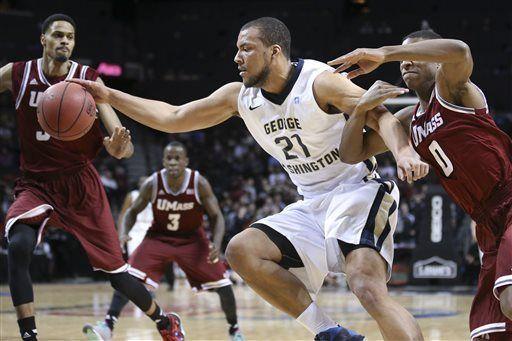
(468,152)
(41,153)
(176,214)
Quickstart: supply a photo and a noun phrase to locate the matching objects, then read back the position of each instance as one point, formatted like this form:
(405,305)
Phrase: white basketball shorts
(361,214)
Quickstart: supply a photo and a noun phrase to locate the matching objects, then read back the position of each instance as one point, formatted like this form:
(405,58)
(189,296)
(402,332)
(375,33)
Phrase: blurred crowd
(248,183)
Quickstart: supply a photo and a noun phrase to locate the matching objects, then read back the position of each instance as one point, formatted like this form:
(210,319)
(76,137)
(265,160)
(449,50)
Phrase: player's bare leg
(366,274)
(506,302)
(24,310)
(257,263)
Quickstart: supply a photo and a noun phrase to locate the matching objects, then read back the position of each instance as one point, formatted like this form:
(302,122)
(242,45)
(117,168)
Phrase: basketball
(66,111)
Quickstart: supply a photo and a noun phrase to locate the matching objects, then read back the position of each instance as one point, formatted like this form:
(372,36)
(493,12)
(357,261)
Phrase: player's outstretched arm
(335,90)
(195,115)
(356,146)
(118,143)
(6,78)
(215,216)
(454,53)
(142,200)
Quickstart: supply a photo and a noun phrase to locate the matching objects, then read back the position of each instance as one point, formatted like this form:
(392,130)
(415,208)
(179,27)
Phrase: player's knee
(22,241)
(366,289)
(118,280)
(506,302)
(236,252)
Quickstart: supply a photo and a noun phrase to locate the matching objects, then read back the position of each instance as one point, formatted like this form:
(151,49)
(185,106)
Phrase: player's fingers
(117,133)
(356,73)
(391,93)
(342,67)
(106,140)
(424,169)
(417,171)
(400,173)
(409,174)
(389,87)
(123,133)
(83,82)
(338,61)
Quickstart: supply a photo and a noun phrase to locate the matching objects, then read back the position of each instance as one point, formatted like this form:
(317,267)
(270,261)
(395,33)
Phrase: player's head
(419,74)
(261,43)
(175,159)
(58,37)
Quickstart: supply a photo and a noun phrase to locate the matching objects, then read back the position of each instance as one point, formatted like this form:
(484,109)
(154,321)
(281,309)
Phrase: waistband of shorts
(175,235)
(53,175)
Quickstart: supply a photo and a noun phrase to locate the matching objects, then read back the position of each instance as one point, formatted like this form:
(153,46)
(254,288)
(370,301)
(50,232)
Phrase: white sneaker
(98,332)
(235,334)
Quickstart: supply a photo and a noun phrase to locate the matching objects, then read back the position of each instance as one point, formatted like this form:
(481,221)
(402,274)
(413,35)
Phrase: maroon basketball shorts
(150,260)
(76,203)
(486,317)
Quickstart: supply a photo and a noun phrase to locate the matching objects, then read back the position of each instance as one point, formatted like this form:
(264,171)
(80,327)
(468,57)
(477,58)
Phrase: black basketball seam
(81,132)
(60,106)
(44,117)
(79,113)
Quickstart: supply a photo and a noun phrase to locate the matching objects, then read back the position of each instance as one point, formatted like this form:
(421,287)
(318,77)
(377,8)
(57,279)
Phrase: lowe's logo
(435,267)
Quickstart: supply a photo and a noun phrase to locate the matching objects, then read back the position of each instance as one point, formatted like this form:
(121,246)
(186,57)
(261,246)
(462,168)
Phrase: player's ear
(276,49)
(186,162)
(43,39)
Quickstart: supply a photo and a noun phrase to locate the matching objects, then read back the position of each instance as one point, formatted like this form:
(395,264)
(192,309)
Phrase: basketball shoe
(235,334)
(174,330)
(338,334)
(98,332)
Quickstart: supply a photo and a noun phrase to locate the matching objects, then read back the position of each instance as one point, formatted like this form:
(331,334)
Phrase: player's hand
(100,92)
(367,60)
(377,94)
(123,240)
(410,167)
(118,145)
(213,256)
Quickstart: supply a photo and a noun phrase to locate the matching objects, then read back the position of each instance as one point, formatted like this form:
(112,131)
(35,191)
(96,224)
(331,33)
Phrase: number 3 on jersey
(442,160)
(174,222)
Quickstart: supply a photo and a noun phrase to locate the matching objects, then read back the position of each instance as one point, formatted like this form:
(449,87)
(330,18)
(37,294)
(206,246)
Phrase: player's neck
(424,94)
(53,68)
(175,183)
(278,79)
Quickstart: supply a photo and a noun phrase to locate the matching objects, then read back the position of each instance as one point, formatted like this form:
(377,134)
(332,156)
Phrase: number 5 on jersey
(174,222)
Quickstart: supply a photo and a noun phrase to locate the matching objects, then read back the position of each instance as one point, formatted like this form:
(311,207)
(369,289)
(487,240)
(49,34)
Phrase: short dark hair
(176,144)
(423,34)
(56,17)
(272,31)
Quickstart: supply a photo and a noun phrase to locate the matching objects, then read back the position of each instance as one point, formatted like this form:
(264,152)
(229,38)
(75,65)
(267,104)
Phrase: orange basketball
(66,111)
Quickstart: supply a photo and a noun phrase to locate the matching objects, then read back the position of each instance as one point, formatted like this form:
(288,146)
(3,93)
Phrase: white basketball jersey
(299,134)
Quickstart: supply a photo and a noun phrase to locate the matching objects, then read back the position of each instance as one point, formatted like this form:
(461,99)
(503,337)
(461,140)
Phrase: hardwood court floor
(64,308)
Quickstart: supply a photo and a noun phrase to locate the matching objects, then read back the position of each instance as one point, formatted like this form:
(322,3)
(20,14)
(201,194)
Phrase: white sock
(315,320)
